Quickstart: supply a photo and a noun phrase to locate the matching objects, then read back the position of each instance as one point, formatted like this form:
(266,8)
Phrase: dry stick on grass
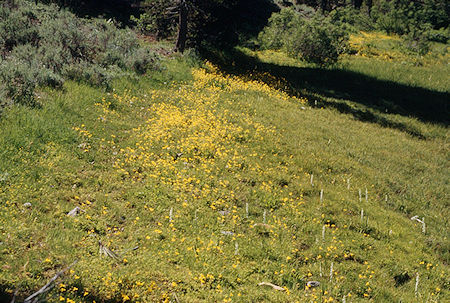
(103,250)
(276,287)
(34,297)
(74,212)
(262,225)
(176,297)
(14,296)
(416,288)
(331,271)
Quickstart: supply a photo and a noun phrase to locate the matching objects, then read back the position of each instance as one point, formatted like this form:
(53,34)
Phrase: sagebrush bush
(91,74)
(141,60)
(16,26)
(40,45)
(5,101)
(19,82)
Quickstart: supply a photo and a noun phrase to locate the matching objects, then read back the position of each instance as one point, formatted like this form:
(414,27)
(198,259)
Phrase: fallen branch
(33,298)
(262,225)
(276,287)
(14,297)
(74,212)
(103,250)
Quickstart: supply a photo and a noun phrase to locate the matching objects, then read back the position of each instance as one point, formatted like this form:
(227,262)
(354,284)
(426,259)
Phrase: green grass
(193,143)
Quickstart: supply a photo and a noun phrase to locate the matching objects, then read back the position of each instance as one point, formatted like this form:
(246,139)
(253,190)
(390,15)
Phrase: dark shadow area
(362,115)
(379,96)
(227,22)
(4,295)
(119,10)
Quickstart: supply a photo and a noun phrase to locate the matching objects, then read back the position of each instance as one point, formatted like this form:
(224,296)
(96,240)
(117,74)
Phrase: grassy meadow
(199,181)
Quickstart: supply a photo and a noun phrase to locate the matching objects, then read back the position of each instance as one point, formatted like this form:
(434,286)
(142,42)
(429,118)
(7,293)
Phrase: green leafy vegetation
(314,39)
(42,45)
(280,170)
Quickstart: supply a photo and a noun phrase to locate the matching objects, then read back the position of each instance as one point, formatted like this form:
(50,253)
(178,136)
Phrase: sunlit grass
(171,163)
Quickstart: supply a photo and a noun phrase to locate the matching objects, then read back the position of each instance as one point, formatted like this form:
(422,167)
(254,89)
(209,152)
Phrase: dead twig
(276,287)
(14,296)
(103,250)
(34,297)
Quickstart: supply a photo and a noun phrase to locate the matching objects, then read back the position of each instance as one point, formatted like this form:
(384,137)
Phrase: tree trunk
(324,5)
(182,27)
(369,6)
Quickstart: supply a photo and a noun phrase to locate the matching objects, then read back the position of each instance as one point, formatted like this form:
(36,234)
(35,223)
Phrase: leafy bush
(405,16)
(280,27)
(316,40)
(155,21)
(417,42)
(357,19)
(440,35)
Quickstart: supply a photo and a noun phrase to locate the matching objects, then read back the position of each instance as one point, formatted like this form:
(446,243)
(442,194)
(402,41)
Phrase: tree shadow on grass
(378,96)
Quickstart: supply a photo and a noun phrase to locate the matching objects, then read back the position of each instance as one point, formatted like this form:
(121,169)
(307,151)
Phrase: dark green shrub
(157,20)
(279,29)
(357,19)
(440,35)
(318,41)
(417,42)
(47,77)
(394,16)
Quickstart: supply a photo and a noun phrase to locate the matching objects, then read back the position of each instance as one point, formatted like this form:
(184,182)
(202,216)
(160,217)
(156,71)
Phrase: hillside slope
(196,185)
